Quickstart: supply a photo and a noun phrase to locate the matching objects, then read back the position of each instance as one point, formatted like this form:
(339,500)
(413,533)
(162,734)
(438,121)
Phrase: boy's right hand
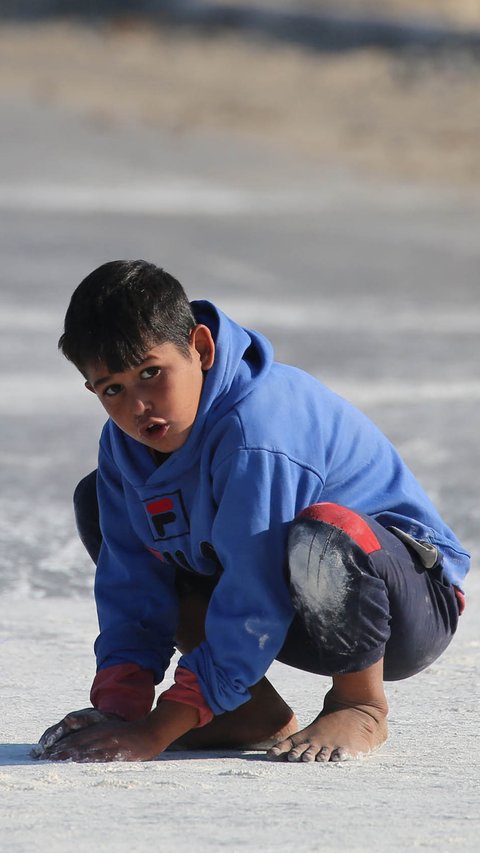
(71,723)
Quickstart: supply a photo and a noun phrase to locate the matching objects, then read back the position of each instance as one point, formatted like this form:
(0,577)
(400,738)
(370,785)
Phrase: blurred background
(313,167)
(386,87)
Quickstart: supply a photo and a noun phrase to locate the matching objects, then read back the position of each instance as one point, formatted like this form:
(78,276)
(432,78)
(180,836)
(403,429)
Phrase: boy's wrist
(169,721)
(186,690)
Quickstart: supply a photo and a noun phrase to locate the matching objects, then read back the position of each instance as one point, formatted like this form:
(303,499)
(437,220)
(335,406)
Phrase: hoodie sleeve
(258,493)
(135,596)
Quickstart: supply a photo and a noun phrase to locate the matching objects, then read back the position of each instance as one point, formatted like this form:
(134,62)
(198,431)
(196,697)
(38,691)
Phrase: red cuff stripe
(187,691)
(124,689)
(347,520)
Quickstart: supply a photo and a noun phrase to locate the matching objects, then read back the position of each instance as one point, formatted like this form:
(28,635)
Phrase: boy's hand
(91,735)
(111,740)
(71,723)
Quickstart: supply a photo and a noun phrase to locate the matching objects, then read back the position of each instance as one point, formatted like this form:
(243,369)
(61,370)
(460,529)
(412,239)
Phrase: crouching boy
(242,513)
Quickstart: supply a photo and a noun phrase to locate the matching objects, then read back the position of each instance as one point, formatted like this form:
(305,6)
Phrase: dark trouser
(359,593)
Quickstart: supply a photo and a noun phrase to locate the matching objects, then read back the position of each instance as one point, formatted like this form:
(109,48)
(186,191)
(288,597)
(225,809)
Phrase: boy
(246,514)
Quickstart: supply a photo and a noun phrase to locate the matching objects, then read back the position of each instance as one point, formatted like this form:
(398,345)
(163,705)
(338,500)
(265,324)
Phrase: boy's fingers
(52,734)
(103,744)
(64,749)
(72,722)
(75,720)
(112,741)
(55,733)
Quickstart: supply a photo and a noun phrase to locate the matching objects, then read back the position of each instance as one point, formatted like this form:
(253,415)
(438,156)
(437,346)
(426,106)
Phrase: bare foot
(289,729)
(339,732)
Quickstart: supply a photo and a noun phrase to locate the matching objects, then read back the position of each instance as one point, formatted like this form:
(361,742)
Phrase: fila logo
(167,517)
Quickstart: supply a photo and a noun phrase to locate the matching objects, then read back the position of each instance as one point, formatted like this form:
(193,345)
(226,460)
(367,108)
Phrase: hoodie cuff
(124,689)
(187,691)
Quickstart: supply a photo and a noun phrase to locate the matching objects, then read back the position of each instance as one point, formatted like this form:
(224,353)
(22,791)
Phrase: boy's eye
(112,390)
(149,372)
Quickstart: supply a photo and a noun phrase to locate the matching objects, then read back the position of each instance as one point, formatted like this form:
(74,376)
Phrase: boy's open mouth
(154,431)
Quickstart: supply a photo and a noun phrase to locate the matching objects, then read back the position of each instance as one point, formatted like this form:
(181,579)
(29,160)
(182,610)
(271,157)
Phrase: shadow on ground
(17,754)
(12,754)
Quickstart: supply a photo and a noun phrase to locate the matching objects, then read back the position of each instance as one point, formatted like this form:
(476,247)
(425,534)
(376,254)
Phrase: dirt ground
(412,115)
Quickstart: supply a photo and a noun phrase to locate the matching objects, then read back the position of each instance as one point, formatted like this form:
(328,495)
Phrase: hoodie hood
(243,359)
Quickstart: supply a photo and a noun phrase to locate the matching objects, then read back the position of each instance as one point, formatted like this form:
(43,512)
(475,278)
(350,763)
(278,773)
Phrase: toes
(298,751)
(310,754)
(280,750)
(308,751)
(304,751)
(323,754)
(339,754)
(293,751)
(306,748)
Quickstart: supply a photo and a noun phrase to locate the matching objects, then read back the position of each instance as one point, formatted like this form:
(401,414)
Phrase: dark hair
(120,311)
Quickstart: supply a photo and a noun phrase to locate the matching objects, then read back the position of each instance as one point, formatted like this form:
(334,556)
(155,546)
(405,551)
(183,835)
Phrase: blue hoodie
(268,441)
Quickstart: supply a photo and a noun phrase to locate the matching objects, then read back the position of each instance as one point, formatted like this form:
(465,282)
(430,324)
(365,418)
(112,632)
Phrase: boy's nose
(140,406)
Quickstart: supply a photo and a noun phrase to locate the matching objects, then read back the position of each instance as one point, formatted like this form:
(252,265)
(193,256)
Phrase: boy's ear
(203,342)
(89,387)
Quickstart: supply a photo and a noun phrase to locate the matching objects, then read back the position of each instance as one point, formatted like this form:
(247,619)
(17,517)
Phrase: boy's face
(156,403)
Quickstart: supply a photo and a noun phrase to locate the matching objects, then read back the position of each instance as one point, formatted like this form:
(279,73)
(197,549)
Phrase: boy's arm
(136,603)
(137,611)
(122,692)
(144,734)
(257,493)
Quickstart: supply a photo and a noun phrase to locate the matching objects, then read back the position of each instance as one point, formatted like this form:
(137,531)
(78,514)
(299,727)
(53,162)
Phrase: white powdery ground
(421,789)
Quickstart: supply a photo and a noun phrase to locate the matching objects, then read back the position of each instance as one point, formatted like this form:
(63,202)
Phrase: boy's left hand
(115,740)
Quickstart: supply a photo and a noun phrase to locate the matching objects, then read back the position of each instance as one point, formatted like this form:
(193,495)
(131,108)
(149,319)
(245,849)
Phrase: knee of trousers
(334,589)
(85,506)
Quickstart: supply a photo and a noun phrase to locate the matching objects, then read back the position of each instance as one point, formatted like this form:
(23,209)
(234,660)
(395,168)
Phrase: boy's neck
(158,457)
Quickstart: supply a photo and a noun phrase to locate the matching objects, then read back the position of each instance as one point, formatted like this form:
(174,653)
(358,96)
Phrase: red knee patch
(460,596)
(346,520)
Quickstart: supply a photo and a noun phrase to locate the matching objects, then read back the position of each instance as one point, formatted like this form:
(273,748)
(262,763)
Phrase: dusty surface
(410,116)
(400,798)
